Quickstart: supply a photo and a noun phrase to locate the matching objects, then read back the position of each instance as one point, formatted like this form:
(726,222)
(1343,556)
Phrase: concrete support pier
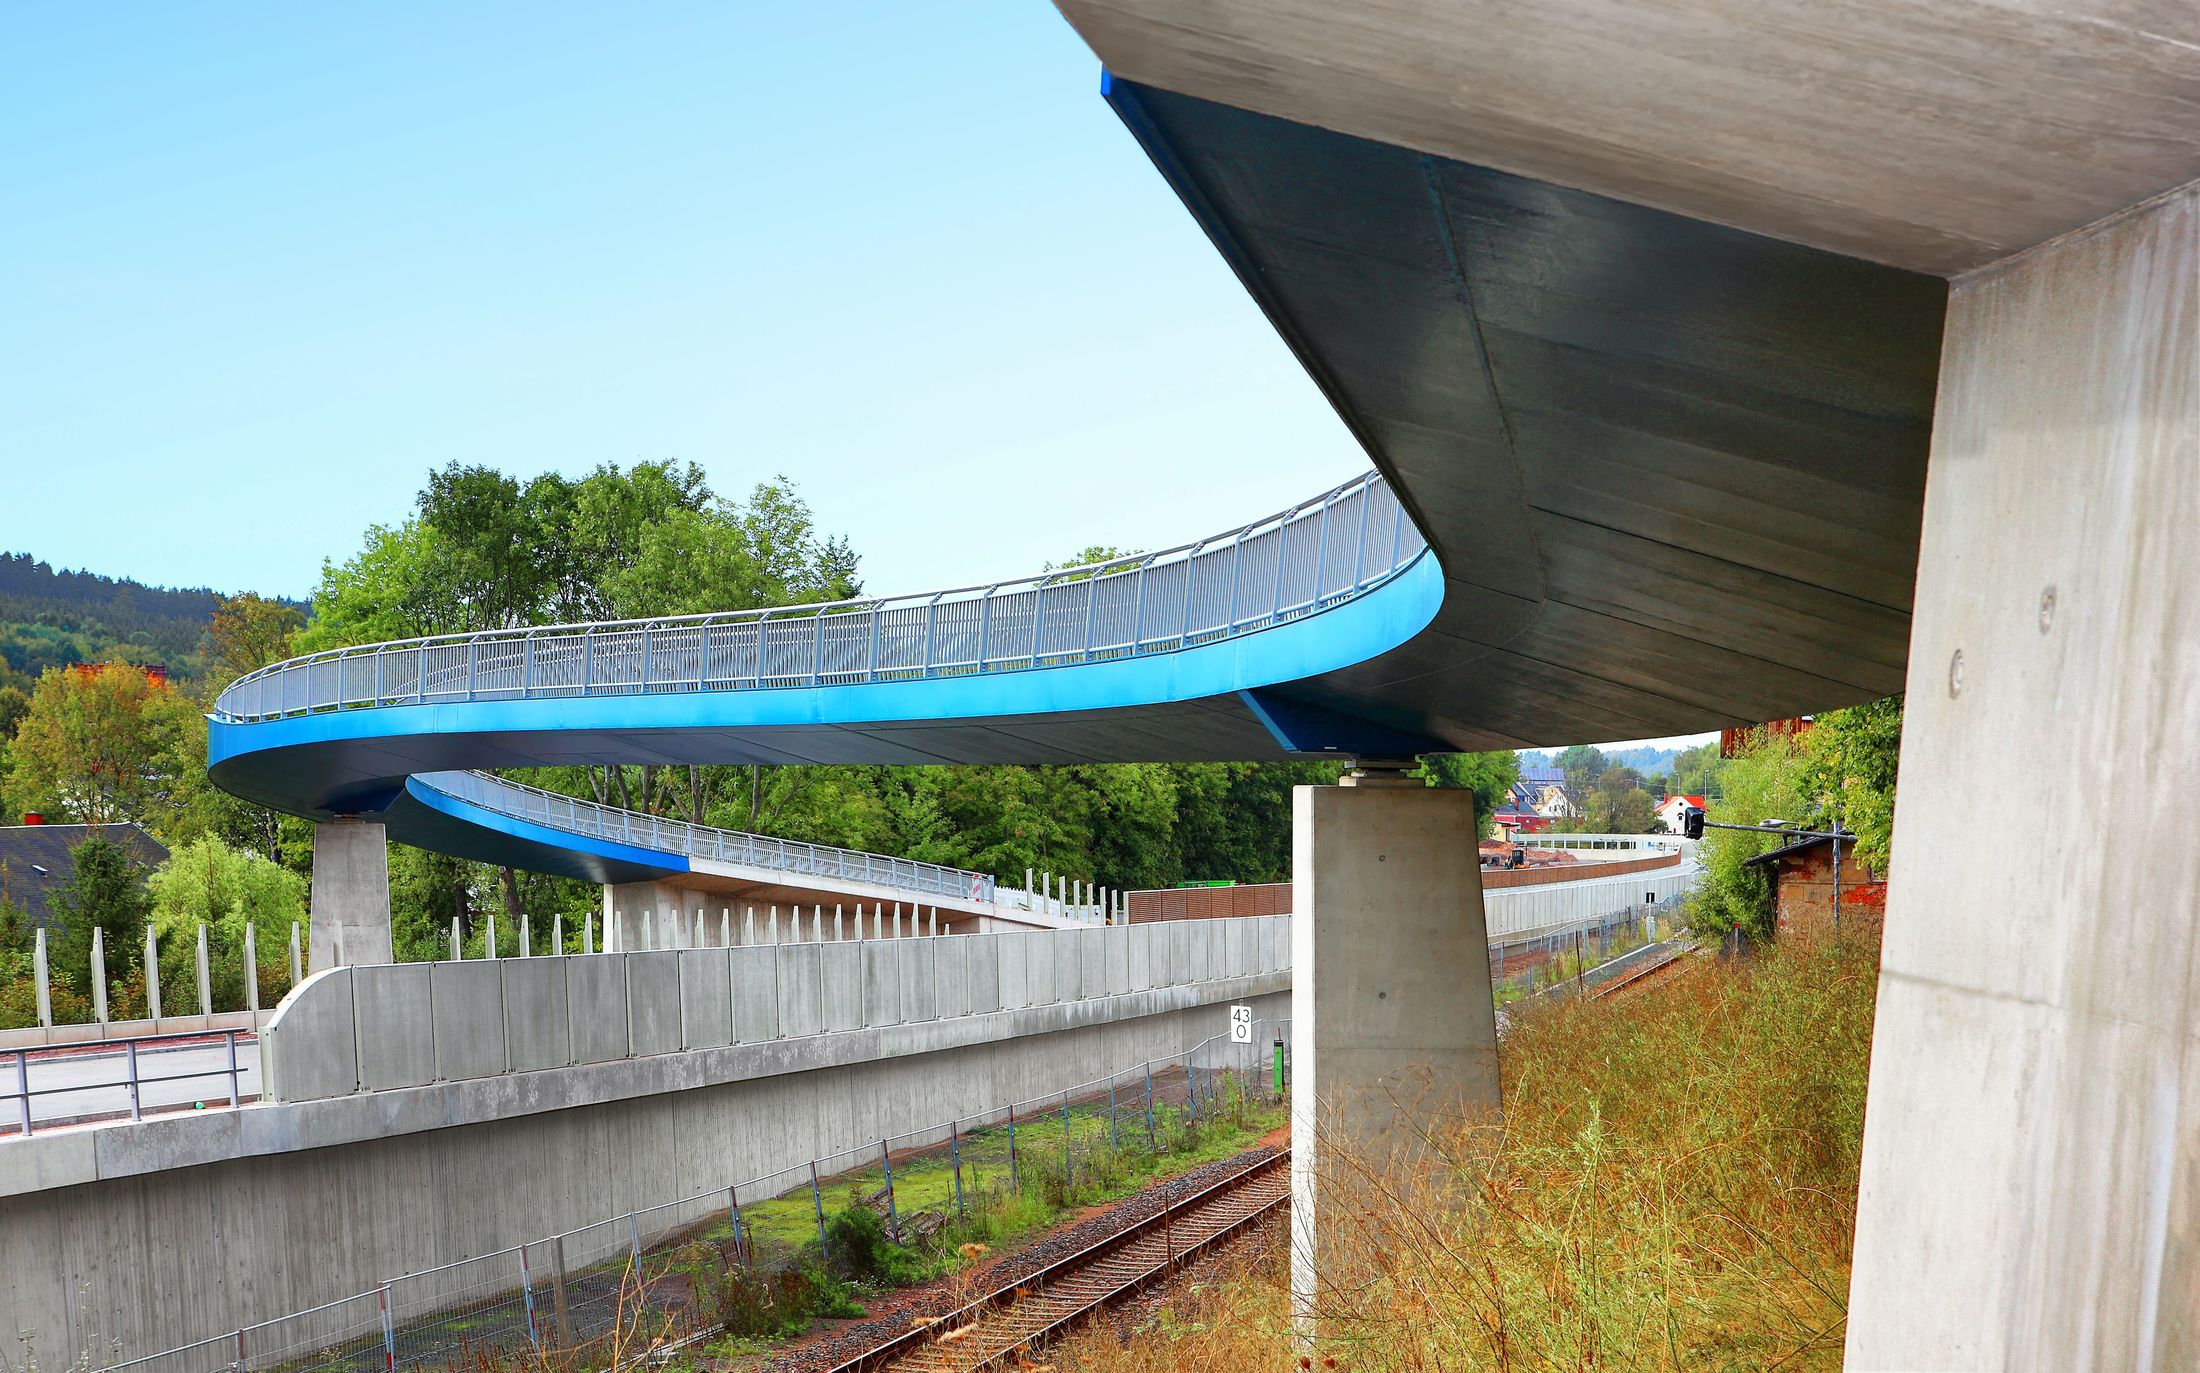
(2031,1169)
(351,895)
(1393,1031)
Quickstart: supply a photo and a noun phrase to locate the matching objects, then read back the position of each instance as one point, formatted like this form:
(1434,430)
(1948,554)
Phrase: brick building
(1803,887)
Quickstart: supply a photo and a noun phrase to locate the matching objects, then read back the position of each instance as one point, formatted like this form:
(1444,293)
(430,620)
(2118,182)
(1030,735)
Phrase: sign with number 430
(1241,1024)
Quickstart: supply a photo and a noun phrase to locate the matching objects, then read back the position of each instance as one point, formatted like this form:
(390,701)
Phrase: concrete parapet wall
(408,1025)
(155,1233)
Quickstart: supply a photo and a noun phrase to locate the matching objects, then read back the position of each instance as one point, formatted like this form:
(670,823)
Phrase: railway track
(1636,977)
(990,1330)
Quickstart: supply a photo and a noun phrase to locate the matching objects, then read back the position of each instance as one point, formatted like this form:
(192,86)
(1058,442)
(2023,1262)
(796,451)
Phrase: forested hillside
(56,617)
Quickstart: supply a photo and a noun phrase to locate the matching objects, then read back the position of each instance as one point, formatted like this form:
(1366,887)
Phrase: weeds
(1674,1187)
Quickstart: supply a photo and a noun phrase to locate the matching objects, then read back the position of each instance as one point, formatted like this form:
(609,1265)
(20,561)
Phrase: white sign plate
(1241,1024)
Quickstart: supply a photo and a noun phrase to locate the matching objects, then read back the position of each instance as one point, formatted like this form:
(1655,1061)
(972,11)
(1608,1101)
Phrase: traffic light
(1692,822)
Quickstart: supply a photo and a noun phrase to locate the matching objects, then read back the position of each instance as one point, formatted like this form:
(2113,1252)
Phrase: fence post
(389,1328)
(733,1213)
(817,1199)
(297,974)
(563,1329)
(1066,1165)
(1015,1180)
(1153,1141)
(23,1088)
(206,990)
(1115,1134)
(129,1059)
(527,1299)
(38,972)
(955,1153)
(893,1213)
(251,972)
(236,1085)
(99,972)
(239,1365)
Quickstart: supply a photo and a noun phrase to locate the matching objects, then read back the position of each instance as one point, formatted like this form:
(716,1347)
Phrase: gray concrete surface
(2031,1171)
(151,1234)
(1393,1032)
(351,895)
(1931,137)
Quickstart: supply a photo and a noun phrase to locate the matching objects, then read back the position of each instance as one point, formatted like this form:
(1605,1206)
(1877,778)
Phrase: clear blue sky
(262,266)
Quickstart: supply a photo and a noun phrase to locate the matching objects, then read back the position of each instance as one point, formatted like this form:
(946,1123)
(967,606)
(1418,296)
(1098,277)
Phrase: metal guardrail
(576,816)
(132,1077)
(1291,564)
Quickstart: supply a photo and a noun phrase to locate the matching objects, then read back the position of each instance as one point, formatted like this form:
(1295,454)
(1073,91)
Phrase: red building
(1803,887)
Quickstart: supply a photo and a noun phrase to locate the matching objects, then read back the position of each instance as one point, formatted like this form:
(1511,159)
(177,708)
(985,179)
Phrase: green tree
(247,632)
(106,890)
(207,881)
(1850,761)
(1582,764)
(105,744)
(1765,782)
(1489,776)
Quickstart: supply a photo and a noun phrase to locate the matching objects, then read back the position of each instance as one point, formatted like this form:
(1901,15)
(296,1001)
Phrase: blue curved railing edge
(1344,634)
(646,862)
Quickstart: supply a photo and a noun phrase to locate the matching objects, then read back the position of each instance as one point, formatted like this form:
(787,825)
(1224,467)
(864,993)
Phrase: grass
(1674,1187)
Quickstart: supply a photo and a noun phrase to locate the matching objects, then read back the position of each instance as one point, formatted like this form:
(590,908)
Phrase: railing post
(130,1069)
(527,665)
(1359,544)
(377,678)
(236,1083)
(931,629)
(1038,616)
(648,643)
(1067,1173)
(588,659)
(1092,601)
(389,1328)
(870,673)
(1321,551)
(817,1201)
(1153,1140)
(1397,532)
(1138,608)
(473,665)
(1115,1134)
(240,1363)
(985,625)
(1191,568)
(23,1088)
(817,647)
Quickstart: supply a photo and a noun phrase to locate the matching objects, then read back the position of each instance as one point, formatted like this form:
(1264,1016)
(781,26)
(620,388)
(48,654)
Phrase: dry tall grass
(1674,1188)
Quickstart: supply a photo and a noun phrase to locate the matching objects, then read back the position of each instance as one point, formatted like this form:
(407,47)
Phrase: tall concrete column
(1392,1028)
(2031,1169)
(351,895)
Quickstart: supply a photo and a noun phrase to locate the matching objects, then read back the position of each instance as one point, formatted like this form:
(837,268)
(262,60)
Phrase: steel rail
(1151,602)
(1042,1305)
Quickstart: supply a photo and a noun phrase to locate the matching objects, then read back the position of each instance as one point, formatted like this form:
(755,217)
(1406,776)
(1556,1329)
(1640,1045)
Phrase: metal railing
(654,1273)
(132,1073)
(1291,564)
(576,816)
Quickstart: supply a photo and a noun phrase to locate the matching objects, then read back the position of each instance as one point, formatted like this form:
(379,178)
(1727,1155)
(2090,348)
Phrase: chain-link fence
(1531,965)
(688,1268)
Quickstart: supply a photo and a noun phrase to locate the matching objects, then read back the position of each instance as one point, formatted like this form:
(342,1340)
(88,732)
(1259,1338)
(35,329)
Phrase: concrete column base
(2031,1168)
(1393,1032)
(351,895)
(625,903)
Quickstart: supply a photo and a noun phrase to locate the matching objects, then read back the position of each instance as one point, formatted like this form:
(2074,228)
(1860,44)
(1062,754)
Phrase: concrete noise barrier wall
(384,1027)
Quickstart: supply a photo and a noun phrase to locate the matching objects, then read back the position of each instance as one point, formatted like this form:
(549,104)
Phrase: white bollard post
(648,942)
(99,971)
(1028,893)
(817,924)
(251,974)
(771,930)
(295,962)
(206,990)
(557,933)
(878,919)
(152,974)
(839,932)
(700,941)
(725,927)
(897,920)
(489,937)
(748,924)
(458,943)
(932,926)
(588,932)
(526,938)
(38,975)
